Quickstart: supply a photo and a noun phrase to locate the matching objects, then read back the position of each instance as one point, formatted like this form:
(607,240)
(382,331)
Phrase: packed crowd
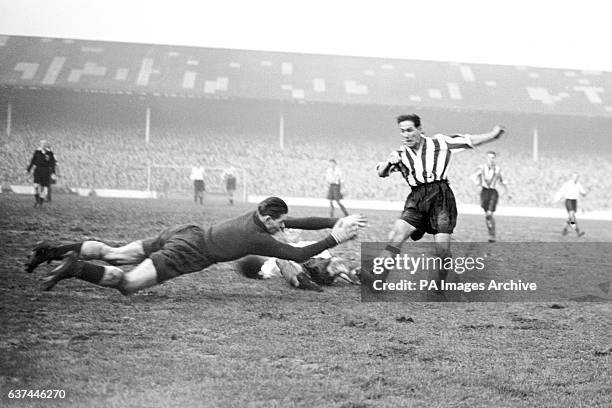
(95,156)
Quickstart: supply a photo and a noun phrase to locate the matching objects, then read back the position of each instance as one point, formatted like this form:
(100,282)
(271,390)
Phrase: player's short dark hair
(411,117)
(272,206)
(332,160)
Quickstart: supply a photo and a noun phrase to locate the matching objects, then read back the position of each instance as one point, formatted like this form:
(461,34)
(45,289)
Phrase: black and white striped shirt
(489,176)
(430,162)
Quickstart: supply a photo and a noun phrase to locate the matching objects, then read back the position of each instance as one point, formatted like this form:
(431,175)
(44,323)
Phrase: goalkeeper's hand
(347,228)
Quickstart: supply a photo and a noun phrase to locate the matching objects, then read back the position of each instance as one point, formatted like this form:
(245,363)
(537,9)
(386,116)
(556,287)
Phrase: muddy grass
(215,338)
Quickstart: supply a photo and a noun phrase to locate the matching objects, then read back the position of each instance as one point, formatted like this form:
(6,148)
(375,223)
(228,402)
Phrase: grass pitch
(216,339)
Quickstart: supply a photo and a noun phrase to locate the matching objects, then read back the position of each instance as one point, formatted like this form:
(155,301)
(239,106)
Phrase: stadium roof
(127,68)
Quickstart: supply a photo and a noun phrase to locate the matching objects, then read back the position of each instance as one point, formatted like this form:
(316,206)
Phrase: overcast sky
(543,33)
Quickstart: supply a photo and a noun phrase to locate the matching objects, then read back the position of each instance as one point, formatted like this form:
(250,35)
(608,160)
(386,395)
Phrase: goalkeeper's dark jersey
(189,248)
(246,234)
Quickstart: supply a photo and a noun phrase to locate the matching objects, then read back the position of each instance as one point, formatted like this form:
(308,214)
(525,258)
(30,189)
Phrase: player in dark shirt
(43,162)
(188,248)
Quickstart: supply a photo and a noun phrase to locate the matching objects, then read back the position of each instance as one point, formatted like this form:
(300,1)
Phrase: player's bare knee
(112,276)
(143,276)
(400,232)
(128,286)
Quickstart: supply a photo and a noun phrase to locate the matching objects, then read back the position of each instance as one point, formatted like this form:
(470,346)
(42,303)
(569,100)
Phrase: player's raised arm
(495,133)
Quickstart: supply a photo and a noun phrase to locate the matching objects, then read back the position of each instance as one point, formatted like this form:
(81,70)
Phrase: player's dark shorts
(42,176)
(488,199)
(198,186)
(571,205)
(334,192)
(177,251)
(431,208)
(230,184)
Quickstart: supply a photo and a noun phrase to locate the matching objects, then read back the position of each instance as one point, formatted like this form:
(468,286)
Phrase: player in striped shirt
(487,177)
(430,207)
(570,191)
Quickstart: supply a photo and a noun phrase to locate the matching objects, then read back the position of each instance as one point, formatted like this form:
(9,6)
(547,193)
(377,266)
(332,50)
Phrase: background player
(43,162)
(229,175)
(487,176)
(197,176)
(570,191)
(333,177)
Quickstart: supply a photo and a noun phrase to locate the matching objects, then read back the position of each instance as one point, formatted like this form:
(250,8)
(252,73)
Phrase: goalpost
(173,180)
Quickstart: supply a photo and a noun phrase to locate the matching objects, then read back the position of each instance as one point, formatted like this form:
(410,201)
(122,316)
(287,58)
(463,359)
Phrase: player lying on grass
(309,275)
(322,269)
(189,248)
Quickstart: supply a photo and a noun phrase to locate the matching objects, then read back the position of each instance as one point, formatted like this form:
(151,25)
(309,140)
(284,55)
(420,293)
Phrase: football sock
(395,250)
(62,250)
(89,272)
(490,221)
(443,272)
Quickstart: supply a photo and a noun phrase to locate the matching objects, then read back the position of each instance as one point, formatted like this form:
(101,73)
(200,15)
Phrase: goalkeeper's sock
(89,272)
(60,251)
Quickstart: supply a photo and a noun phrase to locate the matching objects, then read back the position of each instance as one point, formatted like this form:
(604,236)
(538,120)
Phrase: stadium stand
(120,157)
(125,68)
(225,107)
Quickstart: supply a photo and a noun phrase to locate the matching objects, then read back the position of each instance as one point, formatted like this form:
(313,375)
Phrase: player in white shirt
(197,176)
(570,191)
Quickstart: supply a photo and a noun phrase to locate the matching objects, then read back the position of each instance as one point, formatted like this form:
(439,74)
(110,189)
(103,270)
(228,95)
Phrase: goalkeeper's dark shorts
(177,251)
(431,208)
